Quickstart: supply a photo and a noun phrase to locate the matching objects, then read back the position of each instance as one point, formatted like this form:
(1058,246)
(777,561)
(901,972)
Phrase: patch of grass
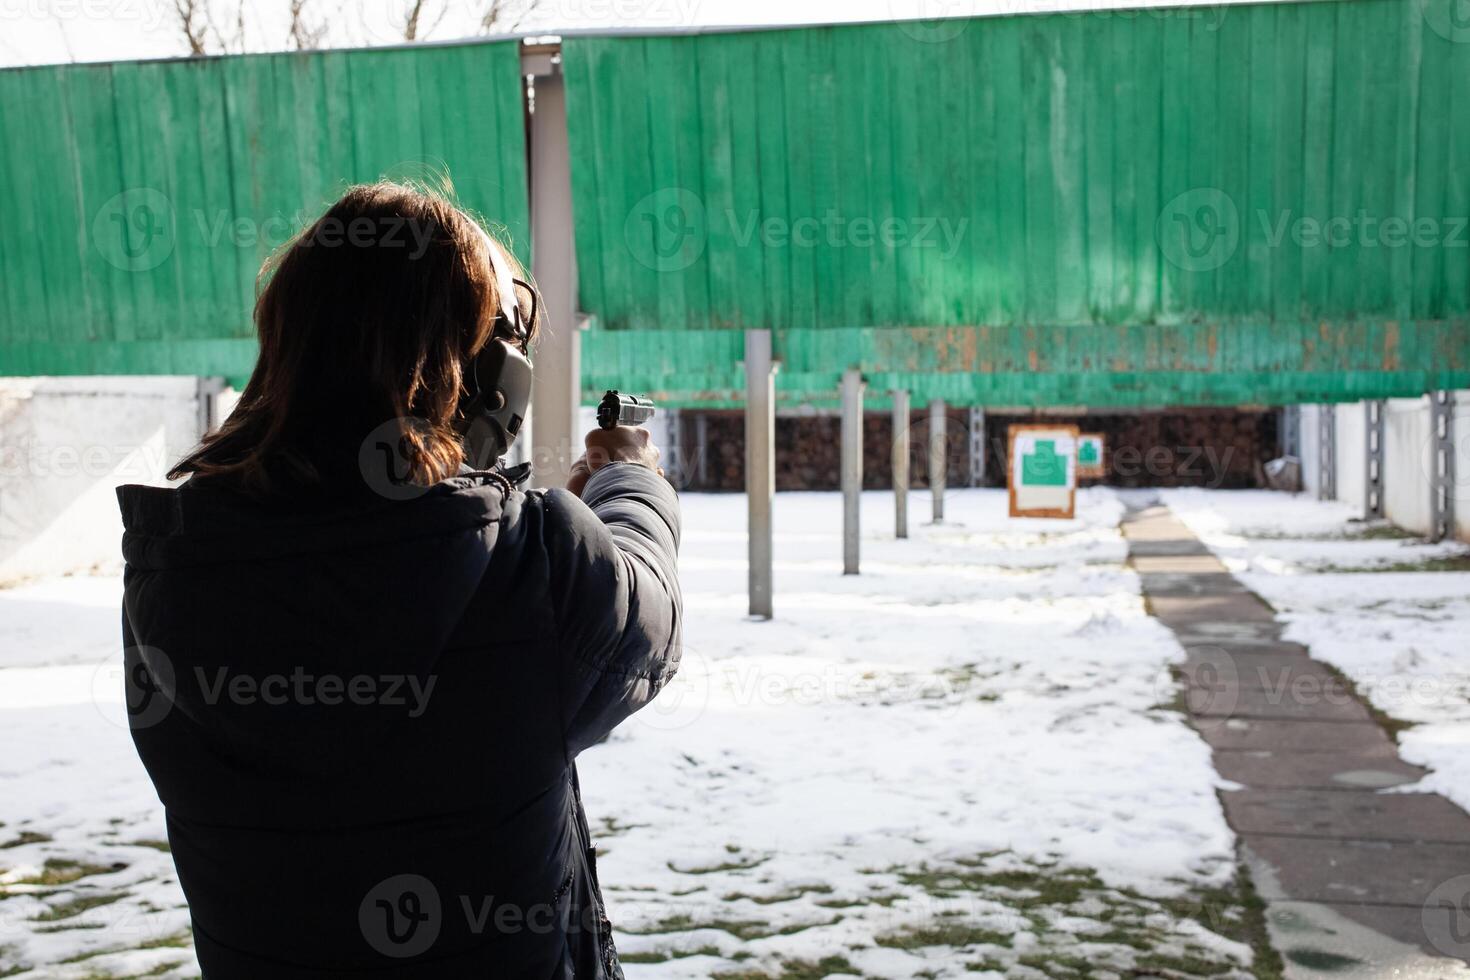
(1388,722)
(1058,965)
(1028,888)
(1249,926)
(26,837)
(790,895)
(1317,959)
(157,971)
(1379,531)
(738,865)
(660,956)
(796,970)
(182,940)
(157,845)
(1189,964)
(1133,926)
(613,827)
(1141,939)
(78,905)
(944,934)
(745,929)
(1360,531)
(179,940)
(1442,563)
(61,871)
(671,923)
(882,901)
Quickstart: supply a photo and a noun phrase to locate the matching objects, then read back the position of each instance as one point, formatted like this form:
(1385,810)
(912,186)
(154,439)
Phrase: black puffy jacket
(361,716)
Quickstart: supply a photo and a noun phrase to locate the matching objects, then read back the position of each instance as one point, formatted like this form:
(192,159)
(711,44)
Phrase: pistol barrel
(620,409)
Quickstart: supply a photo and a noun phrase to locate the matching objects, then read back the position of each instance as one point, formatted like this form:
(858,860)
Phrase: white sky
(35,32)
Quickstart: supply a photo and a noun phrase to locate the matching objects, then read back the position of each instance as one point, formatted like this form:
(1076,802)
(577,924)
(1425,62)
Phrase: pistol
(619,409)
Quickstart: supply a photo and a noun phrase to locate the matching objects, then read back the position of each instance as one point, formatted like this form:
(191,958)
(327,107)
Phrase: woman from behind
(360,669)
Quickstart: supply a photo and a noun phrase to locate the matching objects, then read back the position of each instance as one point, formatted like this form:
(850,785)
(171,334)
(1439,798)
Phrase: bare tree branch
(505,16)
(65,38)
(304,34)
(415,27)
(191,22)
(202,32)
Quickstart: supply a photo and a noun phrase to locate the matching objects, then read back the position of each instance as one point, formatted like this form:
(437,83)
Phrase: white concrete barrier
(66,443)
(1461,440)
(1408,454)
(1352,454)
(1311,446)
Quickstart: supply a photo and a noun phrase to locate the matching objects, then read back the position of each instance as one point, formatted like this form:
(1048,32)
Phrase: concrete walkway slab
(1359,883)
(1229,699)
(1410,817)
(1216,609)
(1267,670)
(1286,672)
(1175,584)
(1368,769)
(1294,736)
(1230,634)
(1356,872)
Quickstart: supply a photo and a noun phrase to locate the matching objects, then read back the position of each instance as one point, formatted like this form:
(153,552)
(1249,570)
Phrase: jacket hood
(176,527)
(224,585)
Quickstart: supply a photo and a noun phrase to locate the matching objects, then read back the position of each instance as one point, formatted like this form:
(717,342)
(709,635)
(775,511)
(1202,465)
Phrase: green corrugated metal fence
(1106,208)
(140,198)
(1230,204)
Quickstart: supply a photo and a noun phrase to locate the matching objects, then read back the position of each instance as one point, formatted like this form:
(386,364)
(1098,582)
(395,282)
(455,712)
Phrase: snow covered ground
(1354,593)
(960,761)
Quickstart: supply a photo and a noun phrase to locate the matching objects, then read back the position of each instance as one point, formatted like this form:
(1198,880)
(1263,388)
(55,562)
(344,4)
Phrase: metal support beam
(558,360)
(701,450)
(760,466)
(1291,431)
(1373,479)
(852,467)
(900,464)
(937,462)
(1441,465)
(207,393)
(675,461)
(1327,452)
(977,447)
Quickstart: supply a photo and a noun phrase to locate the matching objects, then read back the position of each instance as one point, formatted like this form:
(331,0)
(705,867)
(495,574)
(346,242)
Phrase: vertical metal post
(701,450)
(937,462)
(900,464)
(1291,431)
(1327,452)
(1373,478)
(206,403)
(760,466)
(1441,465)
(852,467)
(558,371)
(977,447)
(675,462)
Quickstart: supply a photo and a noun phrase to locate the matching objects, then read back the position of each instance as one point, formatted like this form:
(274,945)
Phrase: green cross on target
(1043,467)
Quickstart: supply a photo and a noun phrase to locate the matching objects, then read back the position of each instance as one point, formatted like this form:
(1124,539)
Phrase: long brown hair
(373,314)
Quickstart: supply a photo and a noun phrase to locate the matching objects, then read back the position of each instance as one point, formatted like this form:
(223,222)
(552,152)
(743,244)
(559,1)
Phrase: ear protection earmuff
(499,384)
